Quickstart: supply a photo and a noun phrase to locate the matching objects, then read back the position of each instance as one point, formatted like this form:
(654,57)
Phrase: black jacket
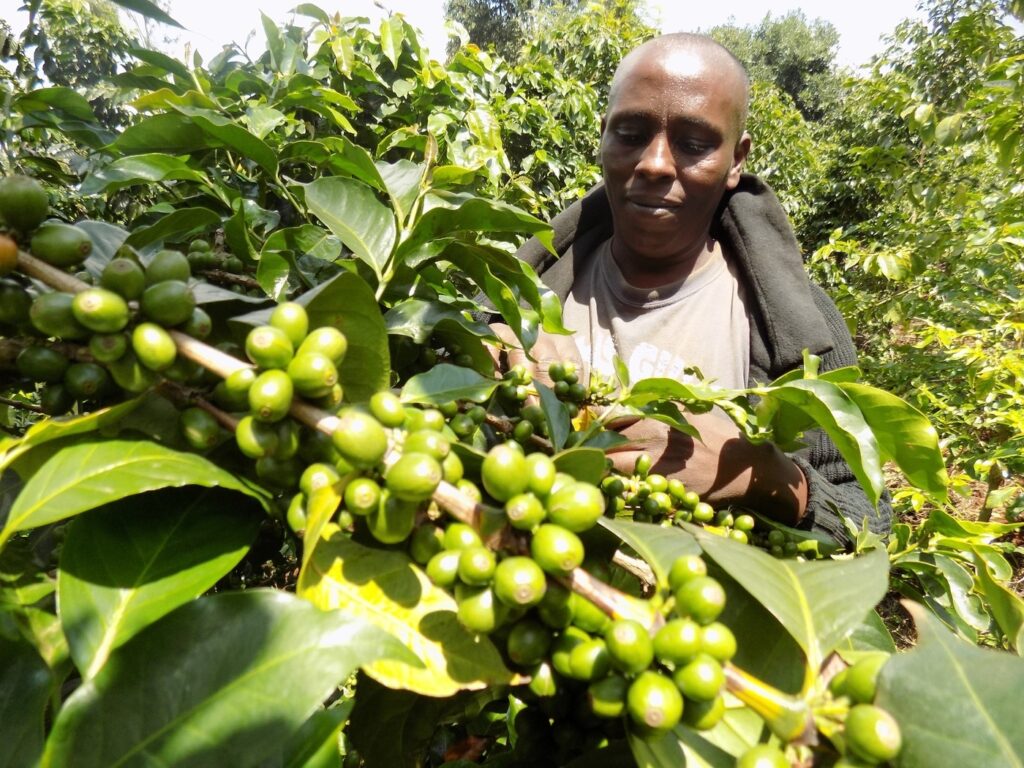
(788,314)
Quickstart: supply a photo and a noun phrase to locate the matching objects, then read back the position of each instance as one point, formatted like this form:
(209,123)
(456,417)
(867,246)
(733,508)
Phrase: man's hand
(550,348)
(722,466)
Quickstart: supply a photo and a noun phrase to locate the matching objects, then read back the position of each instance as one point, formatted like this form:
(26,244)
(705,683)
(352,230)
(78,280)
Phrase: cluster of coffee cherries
(870,735)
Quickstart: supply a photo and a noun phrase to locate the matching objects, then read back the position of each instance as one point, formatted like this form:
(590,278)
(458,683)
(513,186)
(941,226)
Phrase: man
(682,260)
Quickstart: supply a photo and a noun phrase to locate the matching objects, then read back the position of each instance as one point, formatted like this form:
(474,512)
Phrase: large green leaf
(348,303)
(223,680)
(905,435)
(460,212)
(148,9)
(444,383)
(89,475)
(956,704)
(25,684)
(174,226)
(838,415)
(384,588)
(417,319)
(351,210)
(818,602)
(132,562)
(659,547)
(139,169)
(1006,606)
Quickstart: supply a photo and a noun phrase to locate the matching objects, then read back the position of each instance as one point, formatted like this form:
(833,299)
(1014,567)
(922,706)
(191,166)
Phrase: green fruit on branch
(684,569)
(589,660)
(459,536)
(575,506)
(525,511)
(55,399)
(678,642)
(414,476)
(503,472)
(704,715)
(23,202)
(443,567)
(702,598)
(168,265)
(42,364)
(387,408)
(130,374)
(296,515)
(607,697)
(168,303)
(100,310)
(528,642)
(393,519)
(52,315)
(763,756)
(359,438)
(124,277)
(199,325)
(269,347)
(519,582)
(15,303)
(316,476)
(629,646)
(62,245)
(654,704)
(872,734)
(270,396)
(256,439)
(313,374)
(555,549)
(108,347)
(153,346)
(86,381)
(291,318)
(476,566)
(479,610)
(718,641)
(327,341)
(701,679)
(426,541)
(861,680)
(362,496)
(200,429)
(428,441)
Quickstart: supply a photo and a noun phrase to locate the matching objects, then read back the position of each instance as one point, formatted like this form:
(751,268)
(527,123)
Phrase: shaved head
(681,46)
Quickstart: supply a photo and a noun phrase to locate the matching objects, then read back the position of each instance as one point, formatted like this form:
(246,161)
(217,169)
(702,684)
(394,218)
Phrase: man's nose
(657,159)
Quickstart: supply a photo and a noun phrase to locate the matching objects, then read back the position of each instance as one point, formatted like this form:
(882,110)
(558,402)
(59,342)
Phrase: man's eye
(693,147)
(631,137)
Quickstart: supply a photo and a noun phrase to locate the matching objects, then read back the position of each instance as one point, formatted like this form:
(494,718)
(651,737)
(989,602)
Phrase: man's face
(670,148)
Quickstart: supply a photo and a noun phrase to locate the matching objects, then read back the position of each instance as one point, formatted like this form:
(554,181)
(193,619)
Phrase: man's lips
(653,204)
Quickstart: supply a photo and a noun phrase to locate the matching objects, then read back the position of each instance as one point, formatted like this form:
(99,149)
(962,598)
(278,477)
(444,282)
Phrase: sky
(213,23)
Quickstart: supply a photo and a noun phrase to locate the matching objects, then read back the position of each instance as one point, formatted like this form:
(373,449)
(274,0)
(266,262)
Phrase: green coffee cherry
(23,202)
(42,364)
(199,324)
(327,341)
(168,265)
(460,536)
(576,506)
(476,566)
(291,317)
(392,521)
(763,756)
(153,346)
(414,476)
(256,439)
(479,610)
(100,310)
(443,567)
(872,734)
(678,642)
(317,476)
(55,399)
(629,646)
(653,703)
(51,314)
(556,550)
(684,569)
(718,641)
(359,438)
(313,374)
(589,660)
(525,511)
(701,679)
(387,408)
(528,643)
(429,442)
(270,395)
(519,581)
(607,697)
(59,244)
(702,598)
(503,472)
(269,347)
(86,381)
(362,496)
(200,429)
(108,347)
(168,303)
(426,541)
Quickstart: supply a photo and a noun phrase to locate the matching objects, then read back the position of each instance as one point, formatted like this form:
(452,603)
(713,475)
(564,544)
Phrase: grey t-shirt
(699,321)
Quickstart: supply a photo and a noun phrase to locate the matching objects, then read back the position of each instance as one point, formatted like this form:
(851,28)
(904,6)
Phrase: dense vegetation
(263,501)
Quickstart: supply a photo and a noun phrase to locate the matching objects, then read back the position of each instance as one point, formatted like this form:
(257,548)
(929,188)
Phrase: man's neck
(654,273)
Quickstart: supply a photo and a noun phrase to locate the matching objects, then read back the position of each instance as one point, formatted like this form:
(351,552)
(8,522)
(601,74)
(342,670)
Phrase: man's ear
(604,122)
(739,158)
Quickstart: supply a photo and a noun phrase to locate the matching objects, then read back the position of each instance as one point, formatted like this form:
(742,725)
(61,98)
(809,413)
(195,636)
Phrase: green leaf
(461,212)
(149,10)
(315,745)
(556,414)
(586,464)
(227,133)
(659,547)
(347,302)
(393,728)
(384,588)
(836,413)
(85,476)
(351,210)
(904,435)
(132,562)
(66,100)
(444,383)
(869,636)
(417,319)
(1005,605)
(139,169)
(957,705)
(25,684)
(224,681)
(341,155)
(665,752)
(177,225)
(818,602)
(402,181)
(391,35)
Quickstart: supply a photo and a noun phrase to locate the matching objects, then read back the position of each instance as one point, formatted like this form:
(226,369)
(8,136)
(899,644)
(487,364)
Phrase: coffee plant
(266,501)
